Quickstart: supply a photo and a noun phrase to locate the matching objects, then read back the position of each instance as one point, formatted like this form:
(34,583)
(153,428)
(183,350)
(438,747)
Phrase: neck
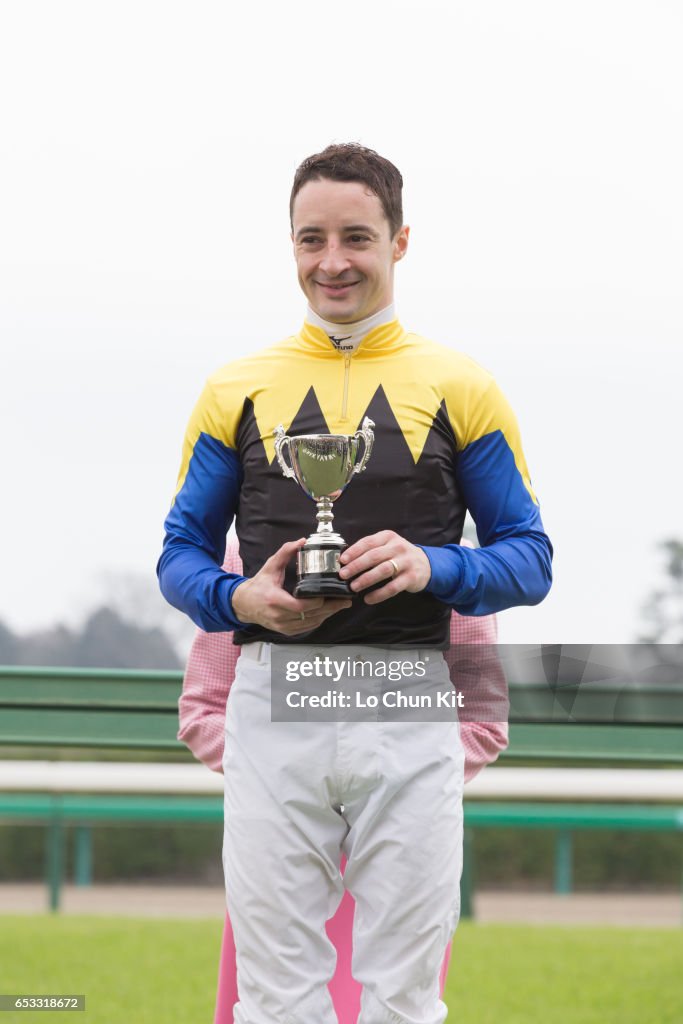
(347,337)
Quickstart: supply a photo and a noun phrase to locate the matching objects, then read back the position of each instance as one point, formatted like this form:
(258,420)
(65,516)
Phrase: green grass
(506,974)
(130,970)
(164,972)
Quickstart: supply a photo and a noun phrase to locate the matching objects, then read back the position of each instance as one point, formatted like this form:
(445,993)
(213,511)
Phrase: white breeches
(388,795)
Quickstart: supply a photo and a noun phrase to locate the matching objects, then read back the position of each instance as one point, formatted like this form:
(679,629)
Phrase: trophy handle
(366,435)
(281,439)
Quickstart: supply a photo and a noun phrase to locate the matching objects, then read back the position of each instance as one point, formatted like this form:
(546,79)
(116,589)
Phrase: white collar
(347,337)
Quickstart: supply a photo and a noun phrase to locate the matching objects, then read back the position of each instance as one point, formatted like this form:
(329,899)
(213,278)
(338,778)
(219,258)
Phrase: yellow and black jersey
(446,441)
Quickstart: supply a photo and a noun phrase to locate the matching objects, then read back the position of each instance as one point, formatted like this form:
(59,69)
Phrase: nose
(333,262)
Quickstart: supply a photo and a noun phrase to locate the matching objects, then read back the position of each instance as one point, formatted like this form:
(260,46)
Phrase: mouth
(337,290)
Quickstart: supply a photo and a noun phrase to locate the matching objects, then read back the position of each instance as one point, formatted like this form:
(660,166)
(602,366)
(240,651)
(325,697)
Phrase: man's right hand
(263,600)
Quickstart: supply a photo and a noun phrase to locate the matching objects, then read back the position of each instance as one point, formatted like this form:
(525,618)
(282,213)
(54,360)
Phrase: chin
(335,314)
(344,311)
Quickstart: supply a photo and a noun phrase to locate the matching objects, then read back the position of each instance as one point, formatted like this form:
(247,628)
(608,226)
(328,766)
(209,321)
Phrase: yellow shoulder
(472,398)
(218,410)
(222,401)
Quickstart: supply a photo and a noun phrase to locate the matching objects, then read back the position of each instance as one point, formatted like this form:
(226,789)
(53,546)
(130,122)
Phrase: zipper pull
(345,396)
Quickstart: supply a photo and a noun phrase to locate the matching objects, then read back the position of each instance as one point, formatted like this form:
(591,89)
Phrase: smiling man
(387,796)
(345,249)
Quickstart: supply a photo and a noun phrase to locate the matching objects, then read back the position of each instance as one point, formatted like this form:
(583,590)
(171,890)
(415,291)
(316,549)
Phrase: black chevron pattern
(419,500)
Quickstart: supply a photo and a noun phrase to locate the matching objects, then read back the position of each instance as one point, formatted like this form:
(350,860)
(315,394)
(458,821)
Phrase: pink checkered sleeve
(483,721)
(211,669)
(208,677)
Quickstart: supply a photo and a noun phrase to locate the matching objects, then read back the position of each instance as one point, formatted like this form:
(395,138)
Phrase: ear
(401,243)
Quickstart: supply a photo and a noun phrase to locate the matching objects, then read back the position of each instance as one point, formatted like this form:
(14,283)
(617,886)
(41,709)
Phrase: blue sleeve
(189,569)
(513,565)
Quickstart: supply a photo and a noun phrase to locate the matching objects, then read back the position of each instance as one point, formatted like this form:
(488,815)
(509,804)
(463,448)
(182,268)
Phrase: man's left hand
(385,556)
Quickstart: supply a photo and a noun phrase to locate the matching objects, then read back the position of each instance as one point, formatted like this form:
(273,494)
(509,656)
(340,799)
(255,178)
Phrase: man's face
(344,253)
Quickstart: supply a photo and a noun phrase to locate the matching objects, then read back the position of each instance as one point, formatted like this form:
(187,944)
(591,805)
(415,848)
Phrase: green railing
(100,709)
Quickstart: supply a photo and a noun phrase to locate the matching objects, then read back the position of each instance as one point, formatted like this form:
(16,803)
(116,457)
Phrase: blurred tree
(110,641)
(105,640)
(663,610)
(8,645)
(136,597)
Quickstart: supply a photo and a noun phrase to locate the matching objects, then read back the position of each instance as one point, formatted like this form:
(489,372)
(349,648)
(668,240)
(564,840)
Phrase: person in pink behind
(208,677)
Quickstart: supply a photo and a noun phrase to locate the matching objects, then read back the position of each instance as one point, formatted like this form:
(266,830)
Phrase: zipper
(345,395)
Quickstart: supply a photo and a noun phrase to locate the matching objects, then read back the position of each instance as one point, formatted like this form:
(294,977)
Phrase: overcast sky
(146,156)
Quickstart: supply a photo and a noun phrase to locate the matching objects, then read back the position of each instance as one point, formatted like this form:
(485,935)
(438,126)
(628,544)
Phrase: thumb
(278,562)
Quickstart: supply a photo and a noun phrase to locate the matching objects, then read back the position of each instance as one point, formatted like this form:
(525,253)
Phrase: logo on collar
(338,342)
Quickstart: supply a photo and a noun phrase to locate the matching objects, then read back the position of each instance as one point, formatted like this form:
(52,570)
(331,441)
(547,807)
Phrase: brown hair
(349,161)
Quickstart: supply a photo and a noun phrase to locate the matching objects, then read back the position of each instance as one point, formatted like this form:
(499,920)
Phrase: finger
(312,610)
(293,630)
(284,601)
(311,621)
(286,609)
(336,604)
(308,605)
(298,628)
(303,627)
(379,573)
(384,593)
(278,562)
(319,614)
(329,612)
(368,560)
(373,540)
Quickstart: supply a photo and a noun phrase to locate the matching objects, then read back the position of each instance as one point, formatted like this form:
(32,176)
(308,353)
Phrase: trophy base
(317,565)
(322,585)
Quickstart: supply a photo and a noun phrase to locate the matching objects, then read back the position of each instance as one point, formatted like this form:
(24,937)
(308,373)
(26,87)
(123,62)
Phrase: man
(387,796)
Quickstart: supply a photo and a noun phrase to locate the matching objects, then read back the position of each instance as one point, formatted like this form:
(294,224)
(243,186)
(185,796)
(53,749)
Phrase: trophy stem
(325,516)
(322,465)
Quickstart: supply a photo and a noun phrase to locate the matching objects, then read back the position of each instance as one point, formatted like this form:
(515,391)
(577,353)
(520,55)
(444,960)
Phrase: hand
(263,600)
(372,557)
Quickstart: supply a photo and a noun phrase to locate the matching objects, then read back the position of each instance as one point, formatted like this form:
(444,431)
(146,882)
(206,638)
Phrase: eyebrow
(363,227)
(351,227)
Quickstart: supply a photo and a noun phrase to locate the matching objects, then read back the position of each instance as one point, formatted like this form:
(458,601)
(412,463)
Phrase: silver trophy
(322,465)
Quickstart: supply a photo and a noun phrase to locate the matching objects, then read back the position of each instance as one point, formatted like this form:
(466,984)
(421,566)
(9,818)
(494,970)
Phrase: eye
(309,240)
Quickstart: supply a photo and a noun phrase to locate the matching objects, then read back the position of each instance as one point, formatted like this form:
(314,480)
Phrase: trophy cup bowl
(323,465)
